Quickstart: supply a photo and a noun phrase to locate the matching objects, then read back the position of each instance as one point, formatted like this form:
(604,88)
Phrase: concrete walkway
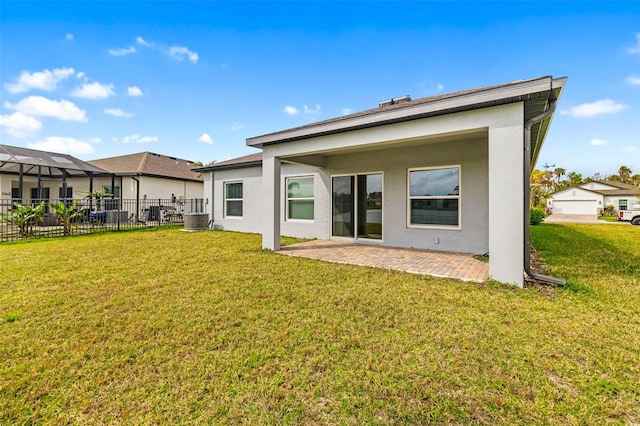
(578,218)
(460,266)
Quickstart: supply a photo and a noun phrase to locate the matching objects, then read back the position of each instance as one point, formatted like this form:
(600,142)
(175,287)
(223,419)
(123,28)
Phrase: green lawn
(172,327)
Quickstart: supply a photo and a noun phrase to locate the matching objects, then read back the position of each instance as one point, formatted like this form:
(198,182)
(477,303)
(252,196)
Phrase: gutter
(527,196)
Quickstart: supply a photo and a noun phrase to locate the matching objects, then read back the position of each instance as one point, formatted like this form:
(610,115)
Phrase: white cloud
(235,126)
(290,110)
(134,91)
(93,91)
(136,138)
(62,145)
(117,112)
(605,106)
(308,110)
(206,138)
(42,80)
(69,37)
(636,48)
(20,125)
(630,148)
(597,142)
(346,111)
(439,87)
(633,80)
(143,42)
(179,52)
(146,139)
(122,51)
(80,75)
(39,106)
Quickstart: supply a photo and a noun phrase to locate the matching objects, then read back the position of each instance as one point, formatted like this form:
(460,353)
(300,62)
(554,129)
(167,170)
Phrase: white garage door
(575,207)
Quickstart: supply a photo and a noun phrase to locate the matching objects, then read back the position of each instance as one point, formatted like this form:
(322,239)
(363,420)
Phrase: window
(233,199)
(300,198)
(115,191)
(434,196)
(61,193)
(39,194)
(622,205)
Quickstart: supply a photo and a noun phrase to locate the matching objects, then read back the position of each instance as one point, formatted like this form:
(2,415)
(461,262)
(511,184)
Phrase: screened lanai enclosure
(45,194)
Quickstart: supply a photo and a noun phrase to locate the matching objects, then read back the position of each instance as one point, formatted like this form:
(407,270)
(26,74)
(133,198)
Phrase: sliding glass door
(357,206)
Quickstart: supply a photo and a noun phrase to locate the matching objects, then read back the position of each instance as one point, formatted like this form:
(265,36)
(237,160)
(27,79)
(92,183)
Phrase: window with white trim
(300,200)
(434,197)
(233,199)
(623,205)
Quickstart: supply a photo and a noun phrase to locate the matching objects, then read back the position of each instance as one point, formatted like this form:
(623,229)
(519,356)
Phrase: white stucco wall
(632,202)
(487,145)
(252,206)
(254,209)
(470,155)
(577,194)
(596,186)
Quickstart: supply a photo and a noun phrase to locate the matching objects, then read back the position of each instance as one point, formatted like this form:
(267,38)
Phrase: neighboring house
(448,172)
(27,175)
(592,197)
(146,175)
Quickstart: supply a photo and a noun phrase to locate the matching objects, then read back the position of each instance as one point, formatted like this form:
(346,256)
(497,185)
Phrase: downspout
(527,197)
(213,199)
(137,197)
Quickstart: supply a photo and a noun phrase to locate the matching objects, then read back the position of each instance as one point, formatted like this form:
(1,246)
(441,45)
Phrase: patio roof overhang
(32,162)
(536,94)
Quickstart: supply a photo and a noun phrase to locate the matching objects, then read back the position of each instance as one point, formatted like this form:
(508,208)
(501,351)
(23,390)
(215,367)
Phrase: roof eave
(215,168)
(514,92)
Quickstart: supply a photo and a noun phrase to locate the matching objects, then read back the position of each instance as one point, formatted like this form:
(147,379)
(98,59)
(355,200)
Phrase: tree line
(553,179)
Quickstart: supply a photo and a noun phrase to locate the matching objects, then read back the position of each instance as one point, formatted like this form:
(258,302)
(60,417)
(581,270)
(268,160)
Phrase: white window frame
(225,199)
(451,197)
(626,204)
(287,199)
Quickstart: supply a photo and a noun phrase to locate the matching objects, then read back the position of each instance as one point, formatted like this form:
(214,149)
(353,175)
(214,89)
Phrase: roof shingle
(149,164)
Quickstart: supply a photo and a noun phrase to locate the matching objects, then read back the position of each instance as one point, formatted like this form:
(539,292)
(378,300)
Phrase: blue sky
(195,79)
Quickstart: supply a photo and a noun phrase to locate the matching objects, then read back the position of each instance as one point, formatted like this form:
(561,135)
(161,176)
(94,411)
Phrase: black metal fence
(55,218)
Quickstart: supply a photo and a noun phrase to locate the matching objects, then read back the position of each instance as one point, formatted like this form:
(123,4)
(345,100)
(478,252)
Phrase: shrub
(537,215)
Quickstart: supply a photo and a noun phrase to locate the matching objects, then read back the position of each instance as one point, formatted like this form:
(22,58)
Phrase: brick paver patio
(461,266)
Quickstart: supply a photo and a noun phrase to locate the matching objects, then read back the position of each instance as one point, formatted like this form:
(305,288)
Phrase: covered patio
(459,266)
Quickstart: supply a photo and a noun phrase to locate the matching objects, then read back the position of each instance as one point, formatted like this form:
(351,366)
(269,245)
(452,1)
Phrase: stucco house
(147,175)
(591,198)
(448,172)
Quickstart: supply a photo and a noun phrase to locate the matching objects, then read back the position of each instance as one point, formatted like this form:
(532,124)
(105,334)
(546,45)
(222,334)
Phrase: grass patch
(170,327)
(608,218)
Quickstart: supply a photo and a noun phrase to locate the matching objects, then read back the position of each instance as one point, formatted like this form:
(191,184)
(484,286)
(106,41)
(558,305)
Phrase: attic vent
(393,101)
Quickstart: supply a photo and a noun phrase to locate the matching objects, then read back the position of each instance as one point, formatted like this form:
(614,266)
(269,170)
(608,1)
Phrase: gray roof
(535,93)
(149,164)
(51,164)
(250,160)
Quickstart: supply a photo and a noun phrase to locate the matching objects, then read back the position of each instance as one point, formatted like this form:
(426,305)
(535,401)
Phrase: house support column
(505,201)
(271,179)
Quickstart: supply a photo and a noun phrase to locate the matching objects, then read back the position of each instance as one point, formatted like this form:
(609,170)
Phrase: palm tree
(625,173)
(558,172)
